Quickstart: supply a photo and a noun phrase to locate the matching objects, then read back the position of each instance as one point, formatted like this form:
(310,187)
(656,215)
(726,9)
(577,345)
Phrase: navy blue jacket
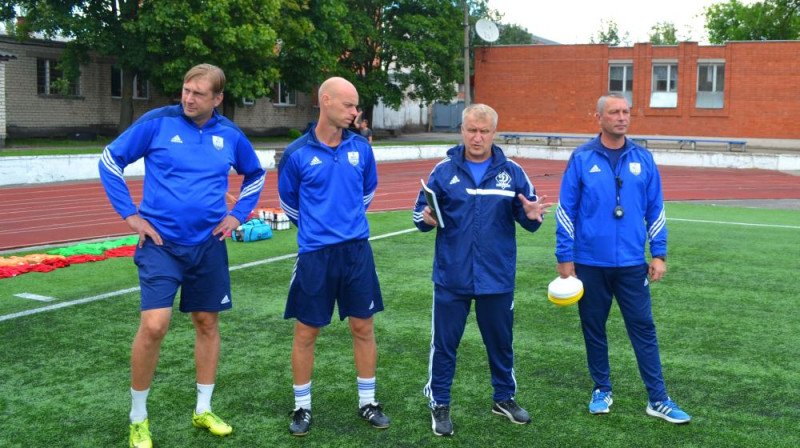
(476,251)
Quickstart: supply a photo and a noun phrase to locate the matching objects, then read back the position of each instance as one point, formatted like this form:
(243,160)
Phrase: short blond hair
(479,111)
(209,72)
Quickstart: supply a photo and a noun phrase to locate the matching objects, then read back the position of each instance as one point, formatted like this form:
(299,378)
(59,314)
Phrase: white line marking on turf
(129,290)
(778,226)
(65,304)
(27,295)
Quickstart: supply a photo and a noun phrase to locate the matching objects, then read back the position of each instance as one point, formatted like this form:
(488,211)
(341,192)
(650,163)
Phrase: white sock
(302,396)
(138,405)
(366,391)
(204,392)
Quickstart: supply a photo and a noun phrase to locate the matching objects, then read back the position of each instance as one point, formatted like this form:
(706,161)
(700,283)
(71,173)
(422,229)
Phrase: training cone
(565,291)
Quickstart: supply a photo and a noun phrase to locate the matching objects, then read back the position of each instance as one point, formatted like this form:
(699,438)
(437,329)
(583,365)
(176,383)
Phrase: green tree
(514,35)
(664,33)
(609,34)
(160,40)
(403,47)
(766,20)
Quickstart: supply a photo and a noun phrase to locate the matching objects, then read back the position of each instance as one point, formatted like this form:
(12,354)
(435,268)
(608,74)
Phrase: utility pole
(467,99)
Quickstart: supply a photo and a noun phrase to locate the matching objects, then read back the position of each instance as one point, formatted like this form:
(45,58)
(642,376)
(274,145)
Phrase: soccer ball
(565,291)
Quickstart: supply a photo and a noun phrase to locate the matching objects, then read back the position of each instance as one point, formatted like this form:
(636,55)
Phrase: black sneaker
(373,413)
(440,420)
(301,420)
(510,409)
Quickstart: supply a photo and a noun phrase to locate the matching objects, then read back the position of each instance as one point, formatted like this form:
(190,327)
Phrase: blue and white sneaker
(601,402)
(667,410)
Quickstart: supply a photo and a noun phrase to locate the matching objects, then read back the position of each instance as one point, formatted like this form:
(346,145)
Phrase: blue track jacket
(326,192)
(186,173)
(476,251)
(587,231)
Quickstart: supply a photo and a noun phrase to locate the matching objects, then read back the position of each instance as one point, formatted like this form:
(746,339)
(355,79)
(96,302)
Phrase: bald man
(326,181)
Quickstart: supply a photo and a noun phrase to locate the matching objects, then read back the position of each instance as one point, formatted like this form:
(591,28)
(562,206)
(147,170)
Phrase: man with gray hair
(480,194)
(611,203)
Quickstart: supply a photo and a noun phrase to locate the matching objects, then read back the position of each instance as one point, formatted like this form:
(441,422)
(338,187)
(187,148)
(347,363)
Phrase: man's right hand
(143,228)
(566,269)
(427,216)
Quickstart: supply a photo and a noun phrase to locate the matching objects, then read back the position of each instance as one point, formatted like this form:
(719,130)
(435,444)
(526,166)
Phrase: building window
(620,80)
(141,87)
(282,95)
(664,91)
(50,79)
(710,86)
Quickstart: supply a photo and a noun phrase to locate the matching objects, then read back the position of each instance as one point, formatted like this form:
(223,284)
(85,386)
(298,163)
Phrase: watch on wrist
(661,257)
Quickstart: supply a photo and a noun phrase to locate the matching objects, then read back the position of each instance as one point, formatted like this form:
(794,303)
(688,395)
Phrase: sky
(577,21)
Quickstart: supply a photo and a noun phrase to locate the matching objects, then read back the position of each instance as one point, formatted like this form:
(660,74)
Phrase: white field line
(134,289)
(776,226)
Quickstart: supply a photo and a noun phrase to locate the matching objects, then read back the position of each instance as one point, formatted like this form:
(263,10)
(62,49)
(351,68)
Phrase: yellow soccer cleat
(140,435)
(210,421)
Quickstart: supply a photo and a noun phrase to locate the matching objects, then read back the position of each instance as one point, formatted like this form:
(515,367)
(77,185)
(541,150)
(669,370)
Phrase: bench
(551,139)
(692,142)
(557,140)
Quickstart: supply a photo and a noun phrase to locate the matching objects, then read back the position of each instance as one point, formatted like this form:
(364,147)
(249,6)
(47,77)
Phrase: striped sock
(366,391)
(302,396)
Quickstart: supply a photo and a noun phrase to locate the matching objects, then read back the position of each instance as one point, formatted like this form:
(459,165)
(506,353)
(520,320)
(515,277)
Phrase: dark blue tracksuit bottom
(495,316)
(630,287)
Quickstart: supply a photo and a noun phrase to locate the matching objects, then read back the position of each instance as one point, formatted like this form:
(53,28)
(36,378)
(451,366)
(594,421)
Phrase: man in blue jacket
(182,221)
(480,194)
(610,205)
(326,180)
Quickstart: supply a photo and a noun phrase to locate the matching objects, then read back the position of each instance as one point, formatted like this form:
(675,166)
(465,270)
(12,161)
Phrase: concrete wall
(409,116)
(554,88)
(45,169)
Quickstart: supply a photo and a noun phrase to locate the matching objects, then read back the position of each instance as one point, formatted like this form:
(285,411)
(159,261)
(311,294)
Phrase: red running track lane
(65,212)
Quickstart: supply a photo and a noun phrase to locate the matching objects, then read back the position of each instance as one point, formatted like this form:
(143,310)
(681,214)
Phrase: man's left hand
(226,227)
(535,210)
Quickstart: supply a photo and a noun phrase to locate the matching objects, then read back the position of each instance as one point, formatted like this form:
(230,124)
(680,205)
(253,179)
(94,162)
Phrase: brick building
(740,89)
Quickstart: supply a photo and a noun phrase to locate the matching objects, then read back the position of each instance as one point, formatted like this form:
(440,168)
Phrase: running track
(58,213)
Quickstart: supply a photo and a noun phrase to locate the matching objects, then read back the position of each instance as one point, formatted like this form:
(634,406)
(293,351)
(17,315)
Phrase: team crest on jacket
(503,180)
(635,167)
(219,143)
(352,157)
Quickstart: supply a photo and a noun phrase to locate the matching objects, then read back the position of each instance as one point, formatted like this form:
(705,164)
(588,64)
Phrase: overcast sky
(577,21)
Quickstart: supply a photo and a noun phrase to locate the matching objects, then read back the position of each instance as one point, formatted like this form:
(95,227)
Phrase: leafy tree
(609,34)
(403,47)
(664,33)
(767,20)
(514,35)
(160,40)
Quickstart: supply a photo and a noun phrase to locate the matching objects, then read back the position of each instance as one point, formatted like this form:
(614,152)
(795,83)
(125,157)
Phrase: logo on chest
(352,157)
(635,168)
(218,142)
(503,180)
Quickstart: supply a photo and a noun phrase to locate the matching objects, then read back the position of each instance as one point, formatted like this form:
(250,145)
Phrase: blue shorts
(200,271)
(343,273)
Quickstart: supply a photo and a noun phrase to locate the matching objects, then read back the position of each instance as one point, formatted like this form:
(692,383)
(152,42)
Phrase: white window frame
(284,96)
(714,98)
(664,98)
(49,68)
(627,74)
(146,86)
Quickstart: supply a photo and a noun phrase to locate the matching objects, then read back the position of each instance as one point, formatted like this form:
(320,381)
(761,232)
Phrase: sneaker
(440,420)
(373,413)
(601,402)
(140,435)
(212,422)
(509,408)
(667,410)
(301,420)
